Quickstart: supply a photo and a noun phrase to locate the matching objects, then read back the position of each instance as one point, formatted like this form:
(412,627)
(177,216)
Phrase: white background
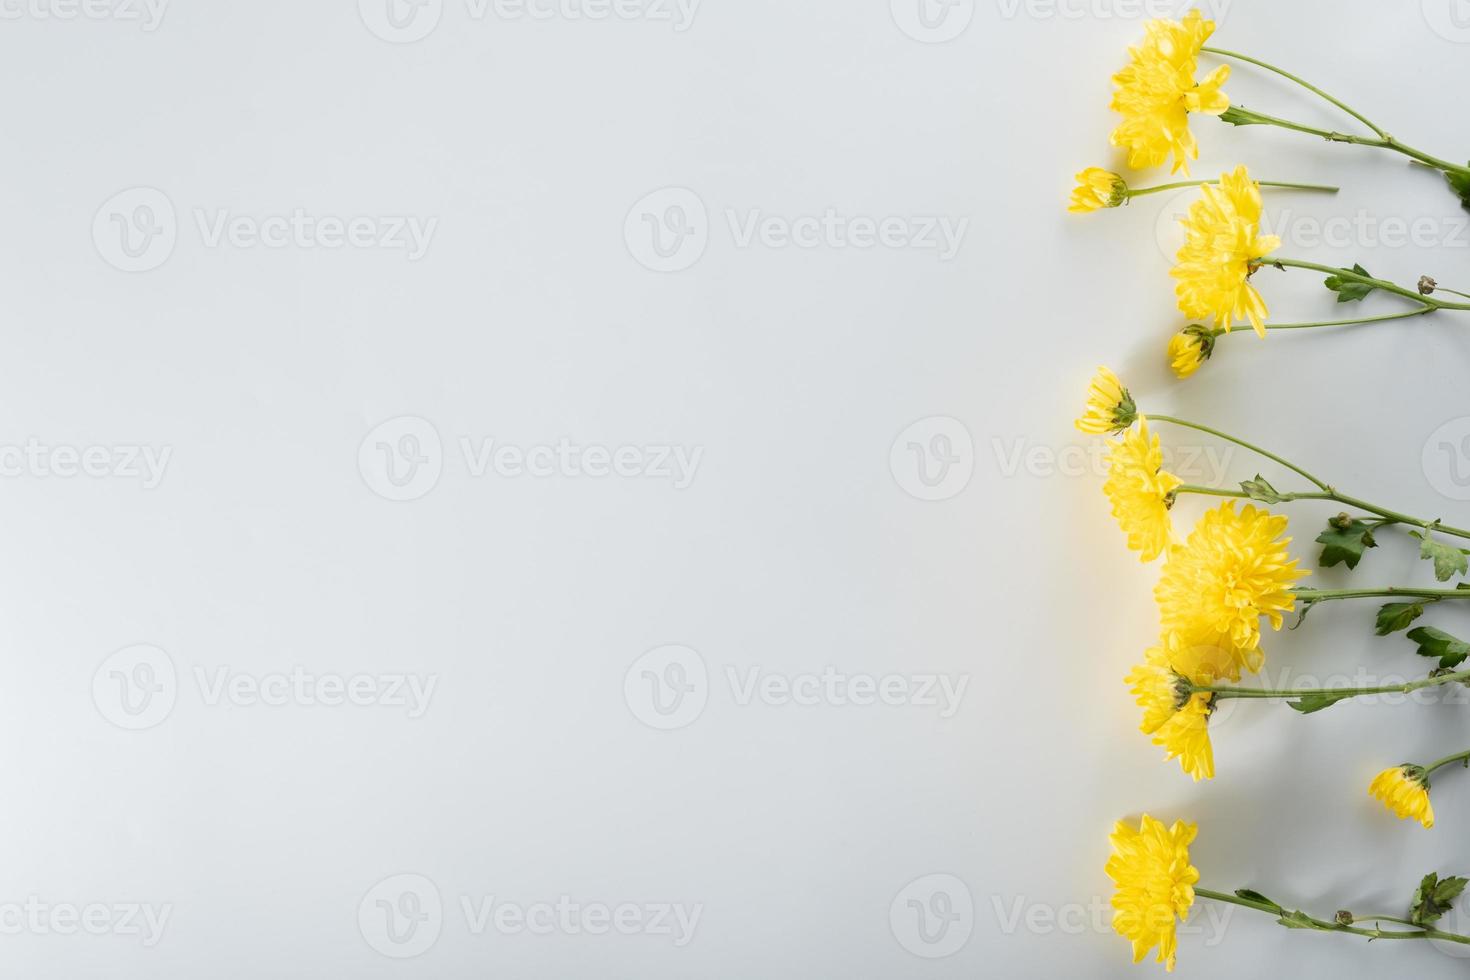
(801,542)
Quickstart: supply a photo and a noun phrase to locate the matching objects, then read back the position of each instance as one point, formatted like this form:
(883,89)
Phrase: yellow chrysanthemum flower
(1405,791)
(1154,884)
(1096,189)
(1222,248)
(1141,491)
(1233,569)
(1189,348)
(1109,406)
(1177,719)
(1157,91)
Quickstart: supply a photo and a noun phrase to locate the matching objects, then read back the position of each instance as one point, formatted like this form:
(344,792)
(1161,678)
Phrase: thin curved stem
(1441,763)
(1244,445)
(1304,84)
(1246,328)
(1241,116)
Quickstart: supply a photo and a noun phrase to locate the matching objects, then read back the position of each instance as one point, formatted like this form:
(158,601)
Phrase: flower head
(1141,491)
(1222,247)
(1109,406)
(1157,91)
(1098,188)
(1233,569)
(1177,718)
(1189,348)
(1405,791)
(1154,884)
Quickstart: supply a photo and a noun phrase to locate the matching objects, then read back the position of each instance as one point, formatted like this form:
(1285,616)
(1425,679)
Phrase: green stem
(1241,116)
(1322,925)
(1141,191)
(1262,694)
(1246,328)
(1383,284)
(1244,445)
(1333,595)
(1304,84)
(1441,763)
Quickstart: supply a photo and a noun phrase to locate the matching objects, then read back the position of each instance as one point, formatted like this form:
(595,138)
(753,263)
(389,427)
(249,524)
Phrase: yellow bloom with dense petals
(1177,719)
(1154,884)
(1223,246)
(1096,189)
(1233,569)
(1109,406)
(1188,349)
(1405,791)
(1157,91)
(1141,491)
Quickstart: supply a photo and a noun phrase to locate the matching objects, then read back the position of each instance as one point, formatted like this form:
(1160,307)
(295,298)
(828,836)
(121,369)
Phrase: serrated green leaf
(1313,703)
(1350,290)
(1449,561)
(1259,489)
(1434,897)
(1449,650)
(1397,616)
(1345,544)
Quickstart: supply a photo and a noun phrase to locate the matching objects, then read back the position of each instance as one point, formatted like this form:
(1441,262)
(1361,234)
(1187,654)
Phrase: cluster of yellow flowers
(1223,249)
(1233,576)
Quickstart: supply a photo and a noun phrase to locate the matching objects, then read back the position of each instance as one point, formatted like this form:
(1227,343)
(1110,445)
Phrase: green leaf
(1449,650)
(1313,703)
(1397,616)
(1449,561)
(1251,895)
(1460,184)
(1434,897)
(1236,116)
(1259,489)
(1350,290)
(1296,920)
(1345,542)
